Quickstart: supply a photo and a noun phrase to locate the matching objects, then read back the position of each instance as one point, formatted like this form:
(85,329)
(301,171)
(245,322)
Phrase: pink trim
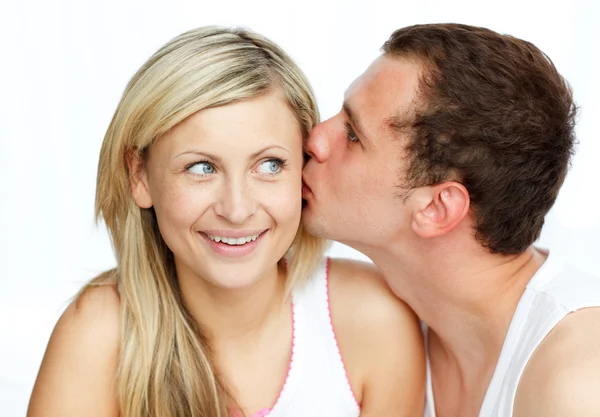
(287,376)
(333,331)
(262,413)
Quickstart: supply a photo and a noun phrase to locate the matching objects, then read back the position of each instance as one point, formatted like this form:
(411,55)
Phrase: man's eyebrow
(355,121)
(400,124)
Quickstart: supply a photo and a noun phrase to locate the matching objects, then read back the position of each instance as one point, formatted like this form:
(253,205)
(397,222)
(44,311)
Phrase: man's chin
(314,225)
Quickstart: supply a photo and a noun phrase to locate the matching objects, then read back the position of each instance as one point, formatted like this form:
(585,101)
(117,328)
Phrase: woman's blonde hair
(165,364)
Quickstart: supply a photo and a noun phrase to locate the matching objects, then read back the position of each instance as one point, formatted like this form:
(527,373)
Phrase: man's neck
(467,298)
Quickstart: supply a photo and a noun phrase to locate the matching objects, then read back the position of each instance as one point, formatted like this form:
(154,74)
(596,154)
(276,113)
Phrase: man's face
(352,180)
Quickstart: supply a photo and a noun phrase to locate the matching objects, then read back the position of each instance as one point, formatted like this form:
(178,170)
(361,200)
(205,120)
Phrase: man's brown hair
(493,113)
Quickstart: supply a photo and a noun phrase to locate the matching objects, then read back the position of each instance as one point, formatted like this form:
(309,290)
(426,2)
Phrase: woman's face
(226,187)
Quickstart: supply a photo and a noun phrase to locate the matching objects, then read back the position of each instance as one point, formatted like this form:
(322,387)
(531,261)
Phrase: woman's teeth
(233,240)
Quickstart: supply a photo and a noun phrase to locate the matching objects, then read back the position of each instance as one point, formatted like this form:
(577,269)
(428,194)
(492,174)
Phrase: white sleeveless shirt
(556,290)
(316,384)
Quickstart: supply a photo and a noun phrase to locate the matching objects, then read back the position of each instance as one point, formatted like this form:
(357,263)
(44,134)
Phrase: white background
(64,65)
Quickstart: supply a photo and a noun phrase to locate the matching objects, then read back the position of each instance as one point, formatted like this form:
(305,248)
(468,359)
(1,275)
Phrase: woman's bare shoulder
(77,374)
(359,288)
(380,340)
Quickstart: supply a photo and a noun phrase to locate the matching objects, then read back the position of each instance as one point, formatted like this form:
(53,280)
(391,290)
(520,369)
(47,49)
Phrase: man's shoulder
(563,375)
(563,283)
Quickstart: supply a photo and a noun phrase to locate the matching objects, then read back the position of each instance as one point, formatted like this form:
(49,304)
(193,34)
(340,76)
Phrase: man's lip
(304,183)
(306,192)
(233,233)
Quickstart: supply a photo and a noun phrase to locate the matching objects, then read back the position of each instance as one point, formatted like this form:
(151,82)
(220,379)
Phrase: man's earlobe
(443,209)
(138,179)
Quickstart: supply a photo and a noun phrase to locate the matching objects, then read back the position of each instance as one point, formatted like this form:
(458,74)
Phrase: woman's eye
(202,168)
(271,166)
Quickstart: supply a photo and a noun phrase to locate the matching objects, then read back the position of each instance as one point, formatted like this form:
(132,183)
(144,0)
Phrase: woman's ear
(138,179)
(441,209)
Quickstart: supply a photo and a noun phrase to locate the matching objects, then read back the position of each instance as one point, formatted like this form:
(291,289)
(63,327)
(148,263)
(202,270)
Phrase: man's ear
(138,179)
(440,209)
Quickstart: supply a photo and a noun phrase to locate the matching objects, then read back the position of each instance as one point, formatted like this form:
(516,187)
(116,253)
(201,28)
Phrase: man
(446,156)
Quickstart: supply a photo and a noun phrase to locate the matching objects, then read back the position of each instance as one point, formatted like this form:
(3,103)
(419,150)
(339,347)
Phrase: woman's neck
(234,314)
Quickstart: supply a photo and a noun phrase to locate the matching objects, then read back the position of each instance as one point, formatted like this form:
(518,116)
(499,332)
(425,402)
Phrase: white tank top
(556,290)
(316,384)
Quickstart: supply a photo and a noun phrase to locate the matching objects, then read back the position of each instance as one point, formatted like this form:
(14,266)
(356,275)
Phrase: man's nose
(318,146)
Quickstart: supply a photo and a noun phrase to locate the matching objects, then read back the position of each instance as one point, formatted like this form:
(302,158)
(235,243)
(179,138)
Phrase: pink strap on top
(262,413)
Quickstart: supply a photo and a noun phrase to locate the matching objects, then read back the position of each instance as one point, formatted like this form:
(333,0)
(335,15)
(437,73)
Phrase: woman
(220,305)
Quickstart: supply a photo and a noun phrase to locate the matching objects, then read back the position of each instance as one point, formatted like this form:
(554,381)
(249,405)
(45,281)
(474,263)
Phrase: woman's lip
(233,233)
(233,251)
